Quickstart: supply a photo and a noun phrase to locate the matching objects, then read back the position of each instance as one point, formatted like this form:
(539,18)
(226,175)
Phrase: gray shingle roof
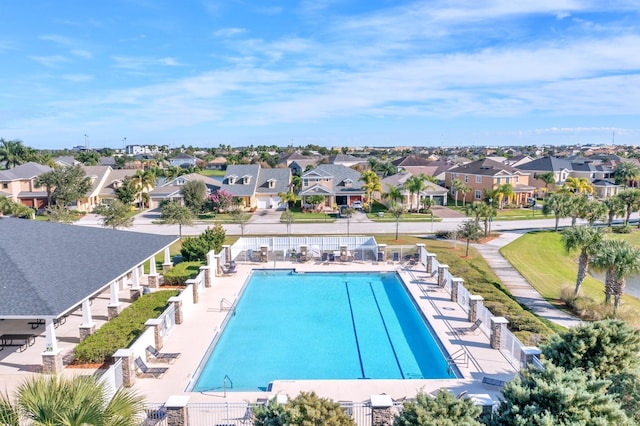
(281,176)
(24,171)
(49,268)
(240,170)
(546,164)
(485,167)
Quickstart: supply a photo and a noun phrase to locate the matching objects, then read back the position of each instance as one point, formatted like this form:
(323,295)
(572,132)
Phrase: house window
(506,180)
(478,179)
(498,181)
(5,185)
(477,194)
(517,179)
(305,182)
(466,178)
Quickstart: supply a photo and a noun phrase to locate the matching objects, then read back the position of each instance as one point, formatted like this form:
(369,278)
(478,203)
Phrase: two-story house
(340,185)
(485,175)
(172,189)
(256,186)
(183,160)
(18,184)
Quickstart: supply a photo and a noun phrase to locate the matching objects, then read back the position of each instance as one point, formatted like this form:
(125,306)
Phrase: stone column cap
(381,401)
(443,265)
(420,245)
(174,299)
(476,297)
(457,279)
(531,350)
(51,353)
(499,320)
(177,401)
(123,353)
(153,321)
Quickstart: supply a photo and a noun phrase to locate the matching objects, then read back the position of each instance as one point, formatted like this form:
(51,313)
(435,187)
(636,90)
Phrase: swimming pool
(305,326)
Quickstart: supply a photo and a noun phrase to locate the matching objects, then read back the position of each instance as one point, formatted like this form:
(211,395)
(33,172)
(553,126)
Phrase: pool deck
(193,337)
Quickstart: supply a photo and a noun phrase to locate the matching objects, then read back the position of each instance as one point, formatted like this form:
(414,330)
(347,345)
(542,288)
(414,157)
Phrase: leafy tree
(371,184)
(619,260)
(196,248)
(315,200)
(549,178)
(75,401)
(393,194)
(600,349)
(59,214)
(194,194)
(558,204)
(587,240)
(470,231)
(288,218)
(397,212)
(443,410)
(238,216)
(127,192)
(68,183)
(88,158)
(115,214)
(304,410)
(625,172)
(175,213)
(220,200)
(553,396)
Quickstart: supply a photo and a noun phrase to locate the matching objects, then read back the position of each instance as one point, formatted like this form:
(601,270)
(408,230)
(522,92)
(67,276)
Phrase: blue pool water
(304,326)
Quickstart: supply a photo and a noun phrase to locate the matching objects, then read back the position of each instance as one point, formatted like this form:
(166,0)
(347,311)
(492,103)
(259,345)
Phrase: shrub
(625,229)
(305,409)
(196,248)
(121,331)
(180,273)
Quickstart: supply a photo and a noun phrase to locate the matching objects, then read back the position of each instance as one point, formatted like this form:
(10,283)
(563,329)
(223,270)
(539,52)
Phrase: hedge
(124,329)
(183,271)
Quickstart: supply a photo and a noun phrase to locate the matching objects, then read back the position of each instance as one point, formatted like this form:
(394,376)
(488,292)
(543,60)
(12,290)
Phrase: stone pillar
(442,270)
(156,324)
(87,327)
(497,325)
(528,354)
(264,254)
(177,410)
(475,302)
(206,272)
(304,252)
(52,362)
(136,290)
(455,282)
(128,366)
(177,305)
(430,258)
(382,248)
(381,410)
(419,248)
(167,264)
(153,279)
(219,271)
(227,253)
(194,289)
(113,309)
(343,253)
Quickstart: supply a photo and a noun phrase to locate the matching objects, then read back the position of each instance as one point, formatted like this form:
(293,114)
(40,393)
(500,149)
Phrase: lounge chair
(380,256)
(231,268)
(162,356)
(474,328)
(325,257)
(332,257)
(357,257)
(396,257)
(155,372)
(493,382)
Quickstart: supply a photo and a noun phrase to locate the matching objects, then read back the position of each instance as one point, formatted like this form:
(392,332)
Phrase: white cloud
(82,53)
(228,32)
(79,78)
(53,61)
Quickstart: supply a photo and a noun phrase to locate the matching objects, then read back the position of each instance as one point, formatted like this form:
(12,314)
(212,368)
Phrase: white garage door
(263,203)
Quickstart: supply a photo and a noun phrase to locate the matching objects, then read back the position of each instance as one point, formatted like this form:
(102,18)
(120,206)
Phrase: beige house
(18,184)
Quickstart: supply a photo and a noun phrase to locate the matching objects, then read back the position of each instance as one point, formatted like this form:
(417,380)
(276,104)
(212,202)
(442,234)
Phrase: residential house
(436,193)
(66,161)
(340,185)
(346,160)
(486,175)
(183,160)
(257,187)
(219,163)
(18,184)
(172,189)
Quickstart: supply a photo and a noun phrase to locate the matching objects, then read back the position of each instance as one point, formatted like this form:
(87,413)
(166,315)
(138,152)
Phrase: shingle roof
(24,171)
(281,176)
(240,170)
(339,173)
(411,161)
(484,167)
(49,268)
(546,164)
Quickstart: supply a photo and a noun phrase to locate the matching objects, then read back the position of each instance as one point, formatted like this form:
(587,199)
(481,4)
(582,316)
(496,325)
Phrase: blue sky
(326,72)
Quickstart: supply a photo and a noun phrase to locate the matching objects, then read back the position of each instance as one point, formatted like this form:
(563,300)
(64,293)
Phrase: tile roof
(49,268)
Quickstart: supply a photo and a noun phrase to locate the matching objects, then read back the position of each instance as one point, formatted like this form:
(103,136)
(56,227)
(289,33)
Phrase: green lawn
(219,173)
(407,217)
(540,258)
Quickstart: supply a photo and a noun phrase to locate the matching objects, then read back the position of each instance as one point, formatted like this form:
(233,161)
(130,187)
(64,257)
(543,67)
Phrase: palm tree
(549,178)
(371,184)
(457,186)
(578,186)
(631,200)
(397,212)
(287,198)
(145,181)
(487,212)
(474,210)
(75,401)
(393,194)
(619,260)
(615,207)
(414,185)
(504,191)
(594,210)
(13,153)
(625,172)
(470,231)
(387,169)
(587,240)
(558,204)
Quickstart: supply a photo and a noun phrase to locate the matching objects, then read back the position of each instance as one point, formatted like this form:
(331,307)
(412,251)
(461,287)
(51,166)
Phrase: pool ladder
(224,384)
(459,357)
(226,305)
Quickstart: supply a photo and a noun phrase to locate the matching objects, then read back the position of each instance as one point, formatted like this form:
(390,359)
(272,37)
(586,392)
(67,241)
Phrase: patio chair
(162,356)
(493,382)
(380,256)
(231,268)
(474,328)
(332,257)
(357,257)
(325,257)
(396,257)
(155,372)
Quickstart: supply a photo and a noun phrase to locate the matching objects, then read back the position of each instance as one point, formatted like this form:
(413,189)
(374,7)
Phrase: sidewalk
(521,290)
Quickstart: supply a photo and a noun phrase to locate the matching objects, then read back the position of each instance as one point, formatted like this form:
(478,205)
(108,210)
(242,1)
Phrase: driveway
(446,213)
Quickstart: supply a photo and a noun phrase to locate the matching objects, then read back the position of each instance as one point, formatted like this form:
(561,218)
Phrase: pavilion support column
(382,253)
(154,279)
(136,290)
(177,406)
(113,309)
(88,327)
(167,264)
(52,355)
(382,410)
(121,283)
(226,249)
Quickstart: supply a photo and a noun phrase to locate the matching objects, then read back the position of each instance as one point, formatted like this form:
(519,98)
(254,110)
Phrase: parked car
(357,205)
(344,211)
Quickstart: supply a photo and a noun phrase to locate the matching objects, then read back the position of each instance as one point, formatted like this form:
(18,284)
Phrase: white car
(357,205)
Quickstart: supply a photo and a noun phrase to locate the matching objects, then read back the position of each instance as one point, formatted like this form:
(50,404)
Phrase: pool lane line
(386,330)
(355,332)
